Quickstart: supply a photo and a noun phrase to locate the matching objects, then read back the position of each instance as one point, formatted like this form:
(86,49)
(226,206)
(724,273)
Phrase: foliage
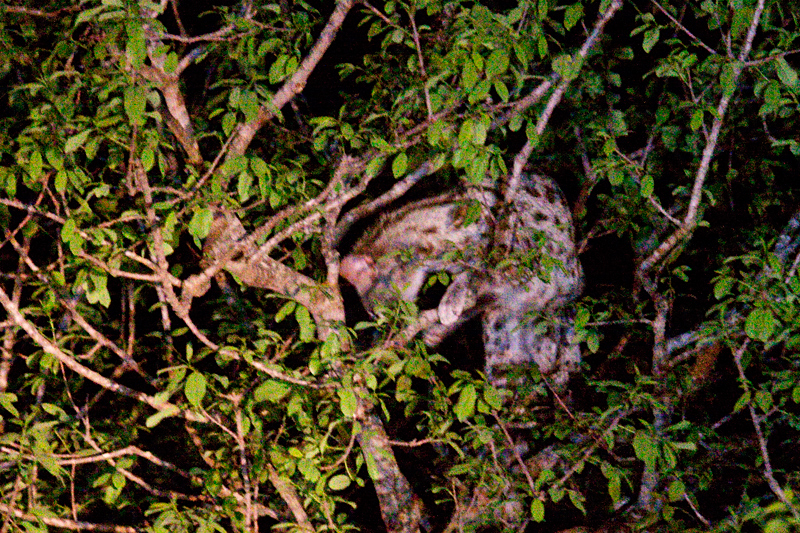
(147,147)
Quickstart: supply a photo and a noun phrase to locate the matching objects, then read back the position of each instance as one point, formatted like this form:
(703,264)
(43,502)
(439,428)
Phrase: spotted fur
(517,267)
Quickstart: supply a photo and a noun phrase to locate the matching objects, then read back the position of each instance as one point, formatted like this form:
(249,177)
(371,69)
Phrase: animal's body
(519,284)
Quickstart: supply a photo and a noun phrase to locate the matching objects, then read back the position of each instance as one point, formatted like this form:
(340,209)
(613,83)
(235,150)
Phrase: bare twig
(524,103)
(421,60)
(378,14)
(696,512)
(398,190)
(515,450)
(39,12)
(217,35)
(250,519)
(49,347)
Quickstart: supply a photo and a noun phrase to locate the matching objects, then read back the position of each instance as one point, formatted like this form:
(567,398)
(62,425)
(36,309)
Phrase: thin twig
(762,441)
(49,347)
(684,29)
(65,523)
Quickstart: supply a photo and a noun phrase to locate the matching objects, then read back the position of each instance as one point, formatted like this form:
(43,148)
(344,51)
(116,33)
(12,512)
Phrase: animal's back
(537,273)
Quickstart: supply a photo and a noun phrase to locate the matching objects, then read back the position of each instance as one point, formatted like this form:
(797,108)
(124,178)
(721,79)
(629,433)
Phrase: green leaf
(469,75)
(760,324)
(647,186)
(493,397)
(497,63)
(616,176)
(135,49)
(399,165)
(645,448)
(650,39)
(577,500)
(135,104)
(537,510)
(786,74)
(477,59)
(307,328)
(148,159)
(71,235)
(542,48)
(566,66)
(201,223)
(676,491)
(530,132)
(234,165)
(764,400)
(742,18)
(35,165)
(244,186)
(696,120)
(723,287)
(195,388)
(465,133)
(614,482)
(98,289)
(465,407)
(339,482)
(271,391)
(331,347)
(543,8)
(61,180)
(572,15)
(88,15)
(743,401)
(249,105)
(153,420)
(259,167)
(501,90)
(76,141)
(7,400)
(347,402)
(285,310)
(277,72)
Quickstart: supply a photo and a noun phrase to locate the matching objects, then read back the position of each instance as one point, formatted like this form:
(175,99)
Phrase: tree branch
(245,133)
(522,157)
(36,336)
(65,523)
(690,220)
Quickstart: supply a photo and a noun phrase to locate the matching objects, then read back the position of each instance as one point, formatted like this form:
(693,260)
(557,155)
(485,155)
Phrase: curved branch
(49,347)
(65,523)
(246,132)
(522,157)
(690,220)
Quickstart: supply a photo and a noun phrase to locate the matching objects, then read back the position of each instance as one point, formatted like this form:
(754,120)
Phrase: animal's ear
(458,298)
(359,270)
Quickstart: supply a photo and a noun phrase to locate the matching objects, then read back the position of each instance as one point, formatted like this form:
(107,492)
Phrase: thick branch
(400,508)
